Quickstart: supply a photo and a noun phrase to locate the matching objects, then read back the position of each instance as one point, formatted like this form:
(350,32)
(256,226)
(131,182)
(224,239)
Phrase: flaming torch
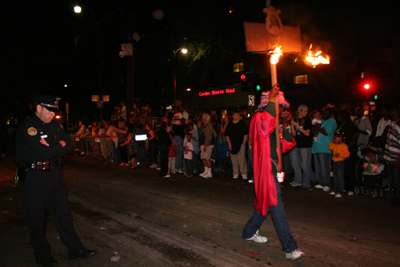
(274,80)
(274,60)
(317,58)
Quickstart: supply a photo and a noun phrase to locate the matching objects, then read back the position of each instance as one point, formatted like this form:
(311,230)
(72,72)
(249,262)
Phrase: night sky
(40,52)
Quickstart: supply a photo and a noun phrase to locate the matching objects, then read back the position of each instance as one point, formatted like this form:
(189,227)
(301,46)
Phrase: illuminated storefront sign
(218,92)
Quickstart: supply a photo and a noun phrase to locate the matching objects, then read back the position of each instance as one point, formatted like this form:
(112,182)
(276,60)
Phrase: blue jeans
(179,159)
(323,168)
(189,166)
(393,174)
(300,158)
(128,155)
(195,162)
(141,157)
(153,153)
(249,163)
(338,176)
(117,155)
(286,163)
(281,225)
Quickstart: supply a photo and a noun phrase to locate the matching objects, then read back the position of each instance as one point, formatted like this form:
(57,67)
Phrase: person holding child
(340,153)
(322,155)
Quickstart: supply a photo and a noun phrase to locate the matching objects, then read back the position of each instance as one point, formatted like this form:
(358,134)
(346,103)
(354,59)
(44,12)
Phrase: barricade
(93,146)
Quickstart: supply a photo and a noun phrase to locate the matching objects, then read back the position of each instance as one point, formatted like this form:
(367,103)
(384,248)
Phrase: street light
(174,52)
(78,10)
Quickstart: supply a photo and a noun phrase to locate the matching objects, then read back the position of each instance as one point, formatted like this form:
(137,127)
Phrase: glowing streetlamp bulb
(77,9)
(184,50)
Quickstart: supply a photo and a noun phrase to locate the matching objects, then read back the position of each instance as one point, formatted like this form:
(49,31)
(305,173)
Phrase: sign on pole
(251,100)
(258,40)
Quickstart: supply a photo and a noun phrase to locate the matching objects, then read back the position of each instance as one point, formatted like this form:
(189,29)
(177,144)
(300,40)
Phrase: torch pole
(274,81)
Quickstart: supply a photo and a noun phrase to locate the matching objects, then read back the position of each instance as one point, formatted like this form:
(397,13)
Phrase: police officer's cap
(50,102)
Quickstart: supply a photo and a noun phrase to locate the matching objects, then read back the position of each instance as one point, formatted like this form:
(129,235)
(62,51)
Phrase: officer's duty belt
(44,165)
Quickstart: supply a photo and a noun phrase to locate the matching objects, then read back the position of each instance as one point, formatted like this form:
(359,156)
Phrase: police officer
(40,145)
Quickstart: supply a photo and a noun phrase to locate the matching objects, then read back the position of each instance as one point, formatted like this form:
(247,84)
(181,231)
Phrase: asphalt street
(147,220)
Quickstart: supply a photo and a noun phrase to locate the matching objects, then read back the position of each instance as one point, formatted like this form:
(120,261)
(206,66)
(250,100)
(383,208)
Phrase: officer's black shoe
(47,261)
(83,254)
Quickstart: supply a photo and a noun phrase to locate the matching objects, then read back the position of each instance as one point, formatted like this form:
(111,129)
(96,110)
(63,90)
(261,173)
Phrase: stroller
(222,159)
(371,175)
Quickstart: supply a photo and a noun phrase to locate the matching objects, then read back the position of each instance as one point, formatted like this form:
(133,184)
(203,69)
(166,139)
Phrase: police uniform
(43,189)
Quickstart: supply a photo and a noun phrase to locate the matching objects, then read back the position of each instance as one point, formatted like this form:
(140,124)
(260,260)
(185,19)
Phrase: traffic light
(258,87)
(244,80)
(367,86)
(376,97)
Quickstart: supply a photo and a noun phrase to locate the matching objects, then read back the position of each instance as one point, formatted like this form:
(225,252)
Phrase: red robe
(261,127)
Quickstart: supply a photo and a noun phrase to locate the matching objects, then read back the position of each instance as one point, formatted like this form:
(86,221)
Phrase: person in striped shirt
(392,153)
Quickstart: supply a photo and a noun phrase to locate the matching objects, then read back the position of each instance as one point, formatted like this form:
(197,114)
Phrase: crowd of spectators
(329,144)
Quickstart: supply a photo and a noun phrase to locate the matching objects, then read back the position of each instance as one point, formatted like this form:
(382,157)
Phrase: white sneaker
(244,176)
(166,176)
(318,186)
(179,171)
(235,176)
(208,175)
(332,193)
(294,184)
(251,181)
(326,188)
(350,193)
(294,255)
(203,173)
(338,195)
(258,238)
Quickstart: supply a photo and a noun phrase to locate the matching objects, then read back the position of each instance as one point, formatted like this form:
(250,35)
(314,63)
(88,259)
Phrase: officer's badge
(32,131)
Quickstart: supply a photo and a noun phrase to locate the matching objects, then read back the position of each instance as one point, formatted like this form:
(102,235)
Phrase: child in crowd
(171,159)
(340,153)
(188,155)
(195,142)
(317,121)
(177,143)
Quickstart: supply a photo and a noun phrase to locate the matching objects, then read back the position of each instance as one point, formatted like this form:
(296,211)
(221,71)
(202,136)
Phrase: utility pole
(130,59)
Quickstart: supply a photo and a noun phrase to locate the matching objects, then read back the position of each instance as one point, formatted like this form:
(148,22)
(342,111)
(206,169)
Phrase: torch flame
(316,58)
(275,55)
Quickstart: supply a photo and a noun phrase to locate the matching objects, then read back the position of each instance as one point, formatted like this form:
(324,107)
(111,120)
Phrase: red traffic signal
(243,77)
